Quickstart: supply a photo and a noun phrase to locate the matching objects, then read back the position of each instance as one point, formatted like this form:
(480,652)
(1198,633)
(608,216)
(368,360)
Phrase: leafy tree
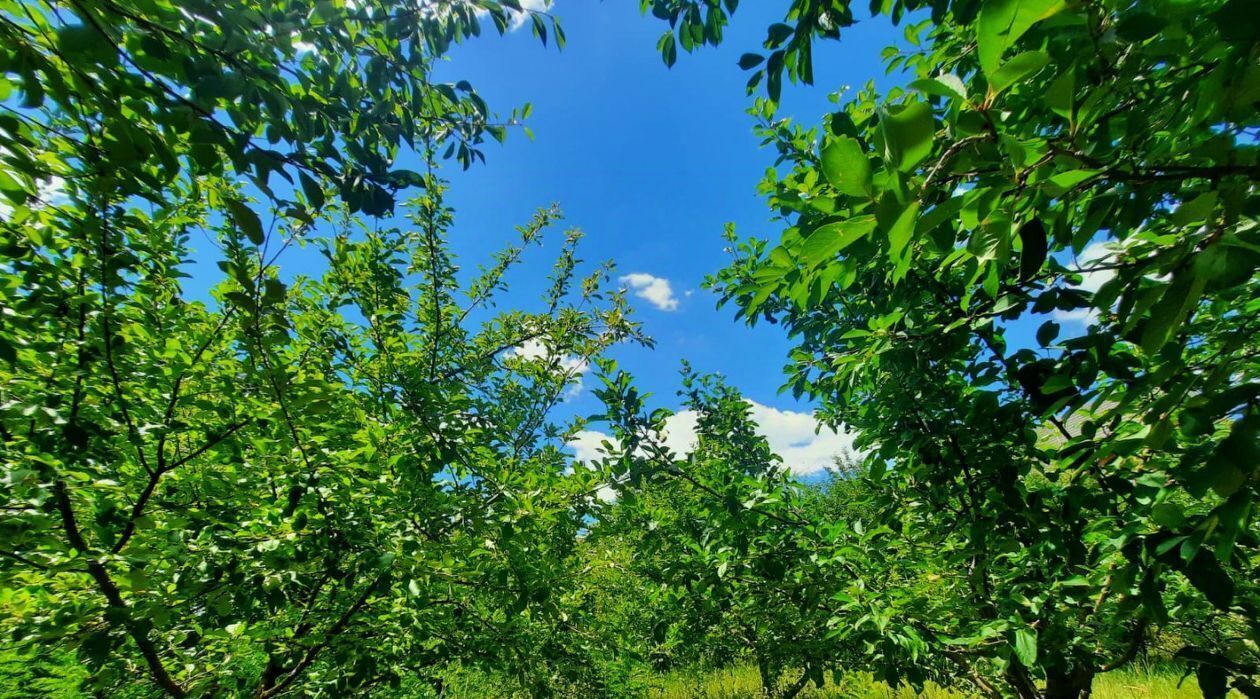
(318,487)
(733,562)
(322,96)
(1093,160)
(322,488)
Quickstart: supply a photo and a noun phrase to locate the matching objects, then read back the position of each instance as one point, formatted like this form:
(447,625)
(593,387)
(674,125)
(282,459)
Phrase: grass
(25,677)
(743,683)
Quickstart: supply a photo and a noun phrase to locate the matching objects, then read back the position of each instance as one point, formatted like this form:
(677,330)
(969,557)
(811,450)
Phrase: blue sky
(651,163)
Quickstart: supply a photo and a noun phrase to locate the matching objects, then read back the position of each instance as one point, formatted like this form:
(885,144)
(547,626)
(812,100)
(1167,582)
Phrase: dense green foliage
(310,487)
(351,483)
(1096,159)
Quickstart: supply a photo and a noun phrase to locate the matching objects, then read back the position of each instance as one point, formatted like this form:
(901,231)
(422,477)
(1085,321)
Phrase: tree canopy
(1095,159)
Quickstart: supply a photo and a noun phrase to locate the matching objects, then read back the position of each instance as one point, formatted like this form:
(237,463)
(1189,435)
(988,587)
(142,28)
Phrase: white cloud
(587,445)
(300,46)
(655,290)
(531,349)
(52,191)
(575,367)
(1094,254)
(791,435)
(518,19)
(48,192)
(536,350)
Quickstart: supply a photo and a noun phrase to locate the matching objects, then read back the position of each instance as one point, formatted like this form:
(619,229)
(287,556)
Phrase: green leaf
(668,48)
(1213,681)
(774,76)
(948,85)
(846,167)
(1021,66)
(1071,178)
(1168,515)
(908,132)
(246,220)
(1216,584)
(778,33)
(991,241)
(1174,306)
(12,188)
(1234,459)
(1196,209)
(1002,22)
(1233,517)
(1139,26)
(830,238)
(749,61)
(86,42)
(1237,21)
(274,291)
(1034,245)
(314,193)
(902,230)
(1046,334)
(1060,96)
(1026,647)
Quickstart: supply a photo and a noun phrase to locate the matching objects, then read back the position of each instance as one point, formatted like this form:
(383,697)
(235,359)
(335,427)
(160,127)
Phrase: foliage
(350,483)
(276,492)
(155,93)
(1092,485)
(746,562)
(317,485)
(721,550)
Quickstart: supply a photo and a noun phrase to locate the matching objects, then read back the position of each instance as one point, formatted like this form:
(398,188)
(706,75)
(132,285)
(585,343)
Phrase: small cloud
(48,192)
(530,349)
(518,19)
(805,445)
(52,191)
(1085,316)
(574,366)
(587,445)
(300,46)
(655,290)
(1094,254)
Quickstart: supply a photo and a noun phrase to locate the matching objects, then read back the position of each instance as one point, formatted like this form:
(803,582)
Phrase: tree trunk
(797,686)
(769,678)
(1020,682)
(1074,684)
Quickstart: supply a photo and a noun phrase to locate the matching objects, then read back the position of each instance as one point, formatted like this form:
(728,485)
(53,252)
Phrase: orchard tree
(1027,278)
(322,485)
(320,489)
(736,558)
